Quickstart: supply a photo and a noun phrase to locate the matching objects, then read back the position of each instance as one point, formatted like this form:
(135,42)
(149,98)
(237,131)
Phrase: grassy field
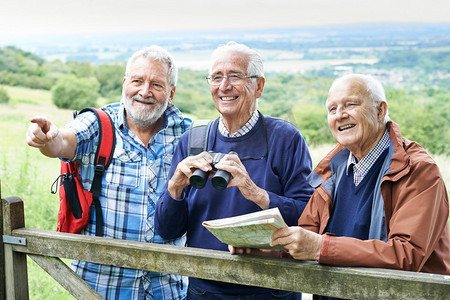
(25,173)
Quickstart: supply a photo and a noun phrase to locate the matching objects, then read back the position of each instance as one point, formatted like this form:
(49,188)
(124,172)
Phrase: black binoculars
(219,180)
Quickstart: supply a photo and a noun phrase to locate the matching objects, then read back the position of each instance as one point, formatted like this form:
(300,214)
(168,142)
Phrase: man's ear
(259,90)
(381,111)
(172,94)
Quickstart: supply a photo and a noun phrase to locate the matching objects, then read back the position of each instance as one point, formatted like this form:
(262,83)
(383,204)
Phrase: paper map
(252,230)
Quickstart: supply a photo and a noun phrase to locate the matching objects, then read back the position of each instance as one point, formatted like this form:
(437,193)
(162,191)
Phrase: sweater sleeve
(294,164)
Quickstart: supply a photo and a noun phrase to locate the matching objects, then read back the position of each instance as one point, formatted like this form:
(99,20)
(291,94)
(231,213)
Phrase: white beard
(144,118)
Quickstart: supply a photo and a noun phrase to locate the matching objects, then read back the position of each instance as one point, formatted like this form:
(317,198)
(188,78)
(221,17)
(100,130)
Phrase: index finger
(279,233)
(40,121)
(232,156)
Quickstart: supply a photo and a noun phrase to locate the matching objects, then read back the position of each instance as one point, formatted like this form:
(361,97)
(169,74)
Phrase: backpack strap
(198,136)
(103,157)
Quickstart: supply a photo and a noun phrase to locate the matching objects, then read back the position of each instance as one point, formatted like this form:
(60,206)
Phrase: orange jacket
(416,211)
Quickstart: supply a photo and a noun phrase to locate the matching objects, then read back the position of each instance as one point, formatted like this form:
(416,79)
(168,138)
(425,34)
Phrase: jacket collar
(400,164)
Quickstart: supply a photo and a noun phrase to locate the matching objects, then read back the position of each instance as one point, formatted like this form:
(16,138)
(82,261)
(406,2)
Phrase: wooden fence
(47,247)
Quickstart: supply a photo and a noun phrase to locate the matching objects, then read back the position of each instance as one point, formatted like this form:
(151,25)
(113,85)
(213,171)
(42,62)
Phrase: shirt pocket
(125,169)
(158,173)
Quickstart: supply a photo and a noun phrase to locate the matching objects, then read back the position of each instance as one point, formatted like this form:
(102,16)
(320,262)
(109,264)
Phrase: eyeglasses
(233,79)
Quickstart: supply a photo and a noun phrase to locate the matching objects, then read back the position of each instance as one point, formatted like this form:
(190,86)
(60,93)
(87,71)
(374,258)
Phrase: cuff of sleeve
(325,249)
(182,196)
(273,201)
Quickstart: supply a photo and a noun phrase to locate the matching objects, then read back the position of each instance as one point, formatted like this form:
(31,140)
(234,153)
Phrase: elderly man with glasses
(268,166)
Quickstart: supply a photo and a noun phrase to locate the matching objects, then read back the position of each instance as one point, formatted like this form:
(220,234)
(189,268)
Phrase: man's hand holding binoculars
(217,166)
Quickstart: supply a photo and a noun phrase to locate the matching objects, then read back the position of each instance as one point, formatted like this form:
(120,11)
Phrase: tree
(110,78)
(4,97)
(311,119)
(75,93)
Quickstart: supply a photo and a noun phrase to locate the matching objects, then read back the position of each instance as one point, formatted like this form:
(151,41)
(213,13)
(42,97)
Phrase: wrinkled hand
(302,244)
(184,170)
(241,179)
(40,132)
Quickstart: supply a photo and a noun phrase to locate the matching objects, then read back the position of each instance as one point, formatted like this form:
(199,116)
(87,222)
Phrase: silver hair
(156,53)
(373,87)
(255,63)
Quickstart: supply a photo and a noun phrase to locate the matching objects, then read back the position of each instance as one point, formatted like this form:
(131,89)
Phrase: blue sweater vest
(353,204)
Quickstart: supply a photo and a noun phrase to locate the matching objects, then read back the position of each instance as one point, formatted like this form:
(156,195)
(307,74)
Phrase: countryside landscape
(53,77)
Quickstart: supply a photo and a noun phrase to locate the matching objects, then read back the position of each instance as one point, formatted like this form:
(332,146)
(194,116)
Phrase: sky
(22,18)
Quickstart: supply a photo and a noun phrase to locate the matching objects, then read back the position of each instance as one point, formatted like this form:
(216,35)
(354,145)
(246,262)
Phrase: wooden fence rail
(46,247)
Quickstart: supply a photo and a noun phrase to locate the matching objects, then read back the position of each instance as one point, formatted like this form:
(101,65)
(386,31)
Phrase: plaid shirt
(243,130)
(361,168)
(130,188)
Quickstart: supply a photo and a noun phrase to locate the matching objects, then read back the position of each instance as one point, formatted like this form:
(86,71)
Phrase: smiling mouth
(345,127)
(228,98)
(145,102)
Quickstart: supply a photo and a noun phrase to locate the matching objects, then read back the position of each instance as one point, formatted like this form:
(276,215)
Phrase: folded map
(252,230)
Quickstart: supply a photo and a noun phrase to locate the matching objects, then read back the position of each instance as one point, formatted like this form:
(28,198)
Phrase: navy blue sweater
(282,174)
(353,205)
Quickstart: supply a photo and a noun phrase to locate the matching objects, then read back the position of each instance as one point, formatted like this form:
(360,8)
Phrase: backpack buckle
(99,169)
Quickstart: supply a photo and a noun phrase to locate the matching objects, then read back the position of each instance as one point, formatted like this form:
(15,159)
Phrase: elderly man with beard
(147,129)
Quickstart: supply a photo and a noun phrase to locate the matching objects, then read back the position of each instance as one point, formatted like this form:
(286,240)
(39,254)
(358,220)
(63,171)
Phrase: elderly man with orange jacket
(379,200)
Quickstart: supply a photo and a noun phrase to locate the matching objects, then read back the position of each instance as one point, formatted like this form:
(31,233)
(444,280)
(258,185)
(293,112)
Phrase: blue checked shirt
(361,168)
(243,130)
(130,188)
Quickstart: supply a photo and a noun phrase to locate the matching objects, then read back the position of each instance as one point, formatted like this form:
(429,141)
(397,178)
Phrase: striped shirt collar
(243,130)
(361,168)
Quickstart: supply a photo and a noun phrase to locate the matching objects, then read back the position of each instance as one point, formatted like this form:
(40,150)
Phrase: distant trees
(311,119)
(423,116)
(20,68)
(15,60)
(427,60)
(422,113)
(193,96)
(73,84)
(75,93)
(4,97)
(110,78)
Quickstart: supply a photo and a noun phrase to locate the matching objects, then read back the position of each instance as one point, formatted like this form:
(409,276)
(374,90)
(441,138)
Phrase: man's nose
(225,84)
(145,91)
(341,112)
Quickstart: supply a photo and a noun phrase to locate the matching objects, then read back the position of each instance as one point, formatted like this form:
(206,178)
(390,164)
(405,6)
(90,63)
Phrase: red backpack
(75,201)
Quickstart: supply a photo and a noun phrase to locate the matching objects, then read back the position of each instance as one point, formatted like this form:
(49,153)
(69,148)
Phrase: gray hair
(255,63)
(156,53)
(374,88)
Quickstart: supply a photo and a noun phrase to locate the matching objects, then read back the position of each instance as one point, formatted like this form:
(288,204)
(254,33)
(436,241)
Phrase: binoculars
(219,180)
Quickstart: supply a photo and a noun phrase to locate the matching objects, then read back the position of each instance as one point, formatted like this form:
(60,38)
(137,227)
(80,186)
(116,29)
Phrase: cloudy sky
(31,17)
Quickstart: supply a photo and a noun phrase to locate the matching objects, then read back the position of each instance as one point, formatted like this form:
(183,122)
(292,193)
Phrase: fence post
(2,251)
(16,277)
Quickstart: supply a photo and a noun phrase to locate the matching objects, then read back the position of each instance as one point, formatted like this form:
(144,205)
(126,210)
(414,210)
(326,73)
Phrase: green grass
(26,173)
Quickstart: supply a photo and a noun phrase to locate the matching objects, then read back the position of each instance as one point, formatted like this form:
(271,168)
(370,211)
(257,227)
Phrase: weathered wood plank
(16,276)
(67,278)
(308,277)
(2,251)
